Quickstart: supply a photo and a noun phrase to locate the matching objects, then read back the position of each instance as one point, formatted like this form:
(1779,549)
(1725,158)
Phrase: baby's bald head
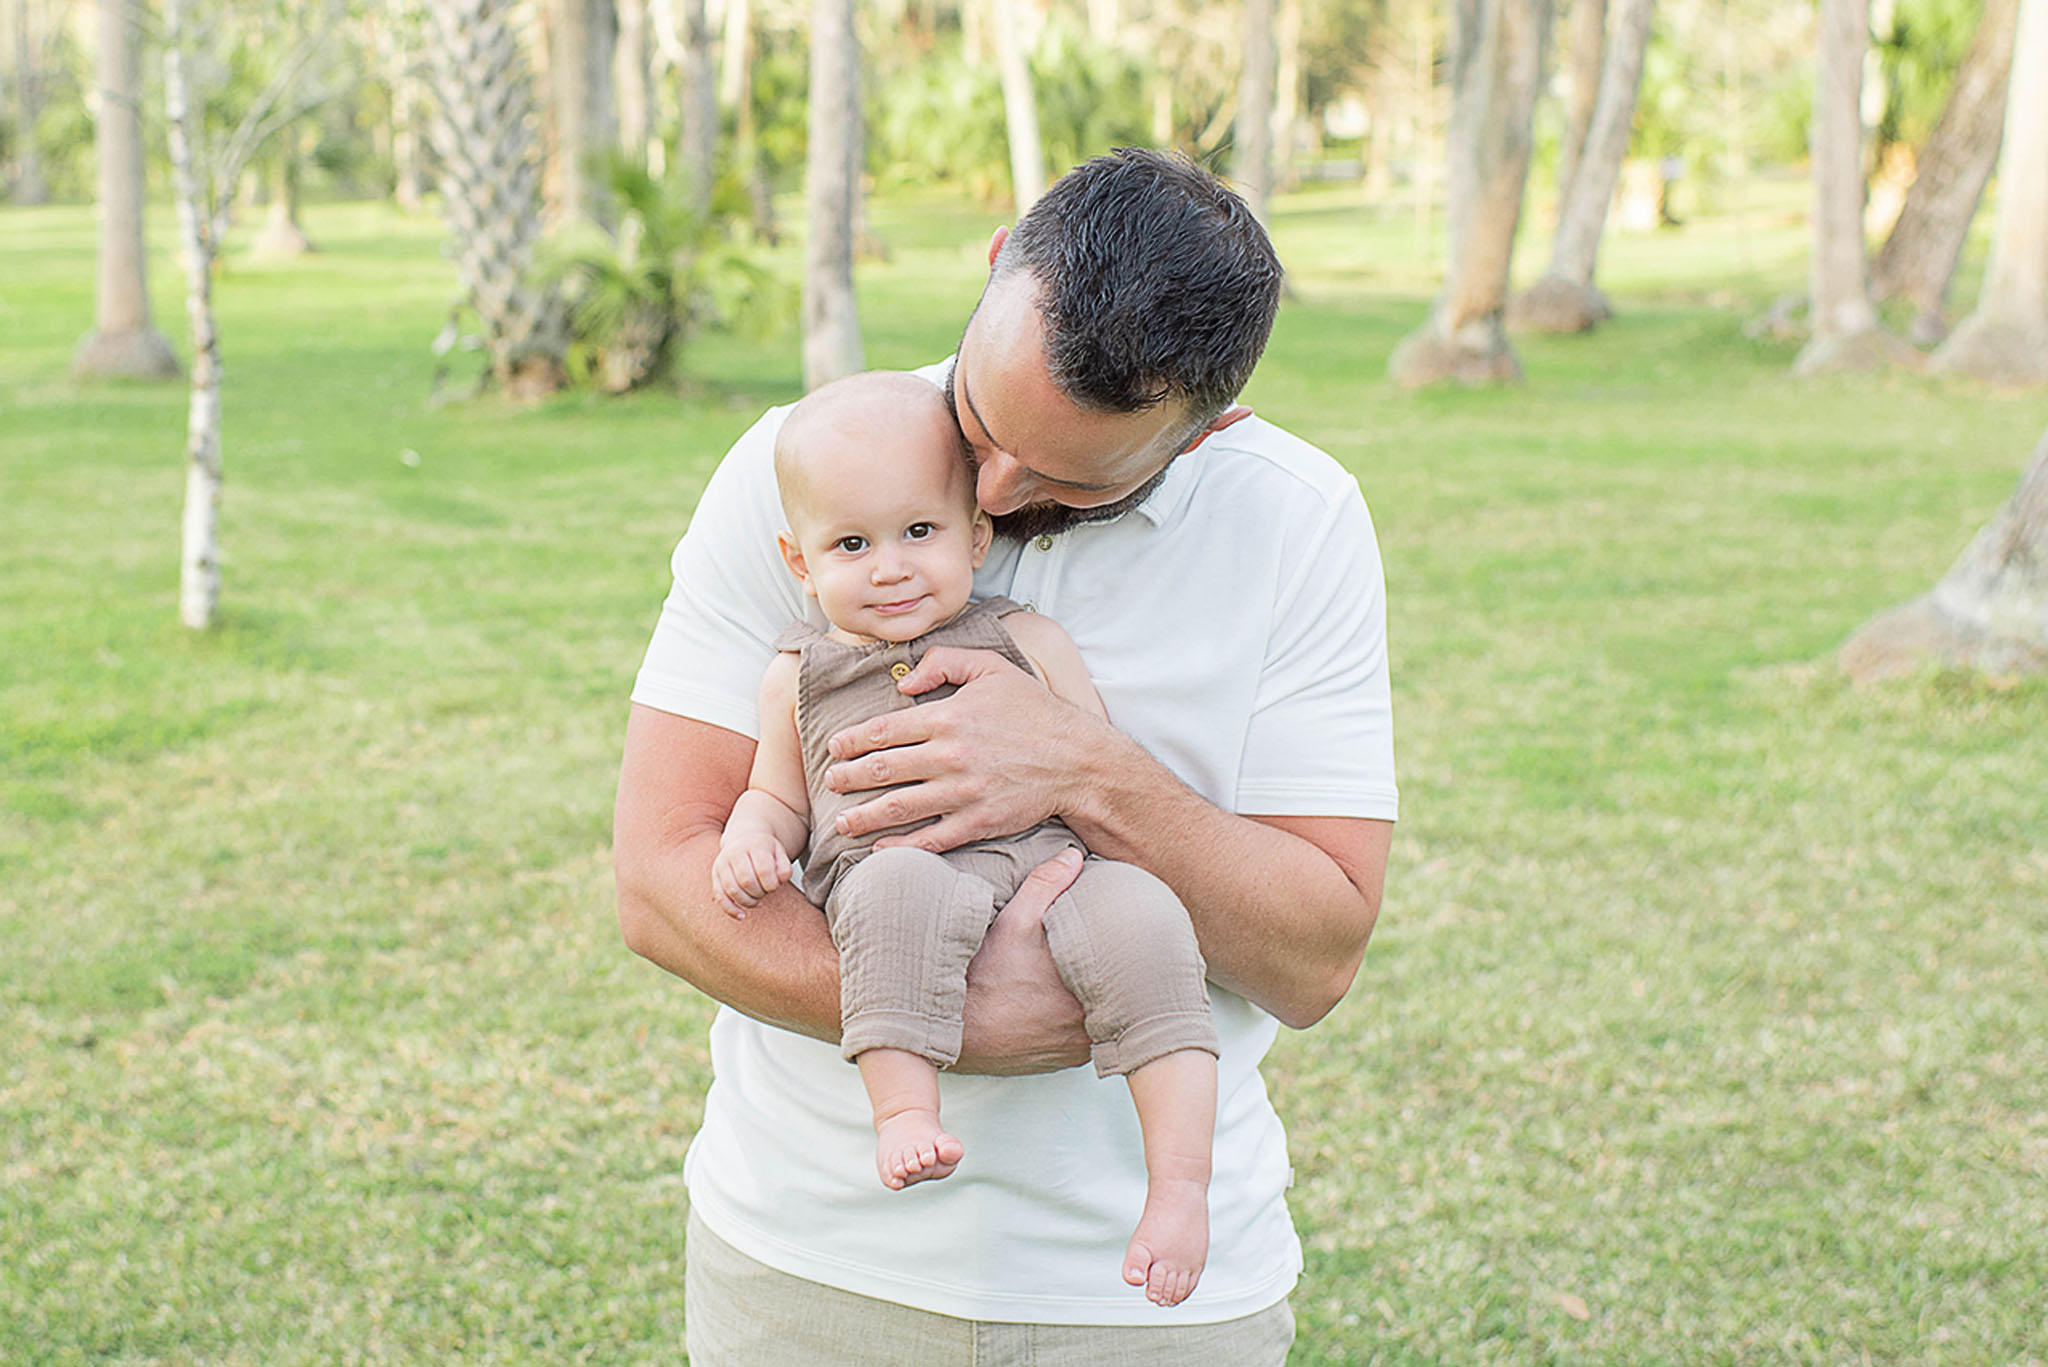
(886,425)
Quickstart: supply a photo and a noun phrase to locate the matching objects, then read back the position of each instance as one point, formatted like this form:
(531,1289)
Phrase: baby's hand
(750,865)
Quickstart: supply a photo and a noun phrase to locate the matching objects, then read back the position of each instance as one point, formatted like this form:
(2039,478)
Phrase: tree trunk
(697,143)
(490,189)
(1846,335)
(583,41)
(832,341)
(199,547)
(1287,96)
(1496,65)
(409,183)
(1919,258)
(1020,110)
(124,341)
(2005,339)
(29,185)
(736,89)
(1585,65)
(1988,613)
(630,74)
(1253,170)
(1566,299)
(281,234)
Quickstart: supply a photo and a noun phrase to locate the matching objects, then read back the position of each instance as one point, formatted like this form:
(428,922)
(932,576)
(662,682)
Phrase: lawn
(1704,1023)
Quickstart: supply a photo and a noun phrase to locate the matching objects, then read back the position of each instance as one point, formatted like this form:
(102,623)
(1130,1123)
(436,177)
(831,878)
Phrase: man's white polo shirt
(1234,624)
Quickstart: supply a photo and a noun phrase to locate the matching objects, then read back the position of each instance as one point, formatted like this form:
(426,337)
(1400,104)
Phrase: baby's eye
(851,545)
(918,531)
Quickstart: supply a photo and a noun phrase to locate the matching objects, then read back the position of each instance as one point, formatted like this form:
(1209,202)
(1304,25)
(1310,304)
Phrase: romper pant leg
(1125,949)
(906,922)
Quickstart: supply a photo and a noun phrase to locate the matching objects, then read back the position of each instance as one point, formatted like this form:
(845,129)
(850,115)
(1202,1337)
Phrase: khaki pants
(739,1313)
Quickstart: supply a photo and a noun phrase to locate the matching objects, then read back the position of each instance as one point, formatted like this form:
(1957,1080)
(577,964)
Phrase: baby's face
(888,538)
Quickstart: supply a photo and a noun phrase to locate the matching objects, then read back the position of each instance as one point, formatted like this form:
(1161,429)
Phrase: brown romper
(907,921)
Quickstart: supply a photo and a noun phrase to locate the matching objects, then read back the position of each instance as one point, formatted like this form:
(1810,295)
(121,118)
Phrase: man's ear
(1237,412)
(793,556)
(995,244)
(984,532)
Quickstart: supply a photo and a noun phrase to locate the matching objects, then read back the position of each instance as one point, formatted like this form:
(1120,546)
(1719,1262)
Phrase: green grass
(1704,1023)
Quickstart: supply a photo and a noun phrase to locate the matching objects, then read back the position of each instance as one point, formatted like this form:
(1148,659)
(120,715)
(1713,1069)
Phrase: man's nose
(1001,485)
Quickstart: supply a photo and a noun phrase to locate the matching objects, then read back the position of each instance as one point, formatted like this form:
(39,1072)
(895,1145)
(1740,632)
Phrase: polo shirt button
(898,670)
(1031,607)
(1045,542)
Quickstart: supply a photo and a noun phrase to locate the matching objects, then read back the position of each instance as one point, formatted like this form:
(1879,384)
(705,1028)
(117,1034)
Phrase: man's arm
(677,783)
(1282,906)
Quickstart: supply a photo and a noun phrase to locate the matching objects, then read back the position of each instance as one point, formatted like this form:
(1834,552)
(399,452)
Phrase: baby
(885,534)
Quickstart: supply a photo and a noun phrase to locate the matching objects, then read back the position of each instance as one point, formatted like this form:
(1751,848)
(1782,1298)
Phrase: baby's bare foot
(910,1147)
(1172,1241)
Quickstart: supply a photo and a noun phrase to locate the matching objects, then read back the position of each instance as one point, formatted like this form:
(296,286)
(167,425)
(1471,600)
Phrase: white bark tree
(1586,49)
(1846,333)
(697,139)
(832,341)
(1020,107)
(1252,168)
(1918,260)
(1989,612)
(1566,299)
(1496,63)
(205,170)
(124,341)
(2005,339)
(631,76)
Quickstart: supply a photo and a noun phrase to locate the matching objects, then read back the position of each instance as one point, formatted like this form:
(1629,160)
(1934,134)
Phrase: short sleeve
(1321,739)
(731,596)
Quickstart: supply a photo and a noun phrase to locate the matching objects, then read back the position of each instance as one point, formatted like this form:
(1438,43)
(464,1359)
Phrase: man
(1222,582)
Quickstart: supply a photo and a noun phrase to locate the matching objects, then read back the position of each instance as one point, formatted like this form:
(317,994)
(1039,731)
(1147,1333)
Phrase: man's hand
(1020,1018)
(995,757)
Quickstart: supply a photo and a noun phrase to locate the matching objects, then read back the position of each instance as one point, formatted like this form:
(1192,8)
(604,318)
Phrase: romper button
(1045,542)
(898,670)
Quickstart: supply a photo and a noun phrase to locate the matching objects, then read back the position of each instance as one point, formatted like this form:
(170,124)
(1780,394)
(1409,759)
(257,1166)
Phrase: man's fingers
(906,726)
(1043,886)
(951,664)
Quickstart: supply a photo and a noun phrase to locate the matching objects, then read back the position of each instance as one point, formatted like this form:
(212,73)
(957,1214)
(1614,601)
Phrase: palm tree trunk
(124,340)
(1496,66)
(1020,109)
(1919,257)
(1846,335)
(1988,613)
(832,341)
(1566,299)
(1253,169)
(2005,339)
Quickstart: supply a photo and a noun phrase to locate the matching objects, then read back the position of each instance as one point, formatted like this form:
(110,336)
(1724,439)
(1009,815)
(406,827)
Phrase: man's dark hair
(1155,281)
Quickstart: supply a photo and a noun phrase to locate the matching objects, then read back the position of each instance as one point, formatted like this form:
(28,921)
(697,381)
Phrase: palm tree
(124,341)
(2006,338)
(832,343)
(1496,66)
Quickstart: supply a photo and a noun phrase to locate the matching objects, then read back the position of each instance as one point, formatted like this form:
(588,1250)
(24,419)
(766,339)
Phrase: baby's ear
(984,532)
(793,556)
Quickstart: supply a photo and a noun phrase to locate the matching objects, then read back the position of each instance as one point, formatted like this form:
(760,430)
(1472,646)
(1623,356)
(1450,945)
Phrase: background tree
(1252,162)
(1020,107)
(483,132)
(631,76)
(2005,338)
(583,39)
(1586,48)
(36,27)
(206,168)
(1496,68)
(124,340)
(282,168)
(1919,256)
(1989,612)
(832,341)
(1846,335)
(697,134)
(1566,299)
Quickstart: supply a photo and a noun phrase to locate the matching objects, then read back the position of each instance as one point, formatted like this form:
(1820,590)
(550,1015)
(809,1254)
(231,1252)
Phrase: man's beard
(1050,519)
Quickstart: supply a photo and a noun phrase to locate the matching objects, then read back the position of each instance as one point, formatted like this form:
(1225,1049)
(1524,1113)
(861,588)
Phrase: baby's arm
(1056,658)
(770,823)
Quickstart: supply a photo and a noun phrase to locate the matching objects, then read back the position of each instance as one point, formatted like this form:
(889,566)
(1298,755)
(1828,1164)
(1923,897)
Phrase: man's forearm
(1282,906)
(676,785)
